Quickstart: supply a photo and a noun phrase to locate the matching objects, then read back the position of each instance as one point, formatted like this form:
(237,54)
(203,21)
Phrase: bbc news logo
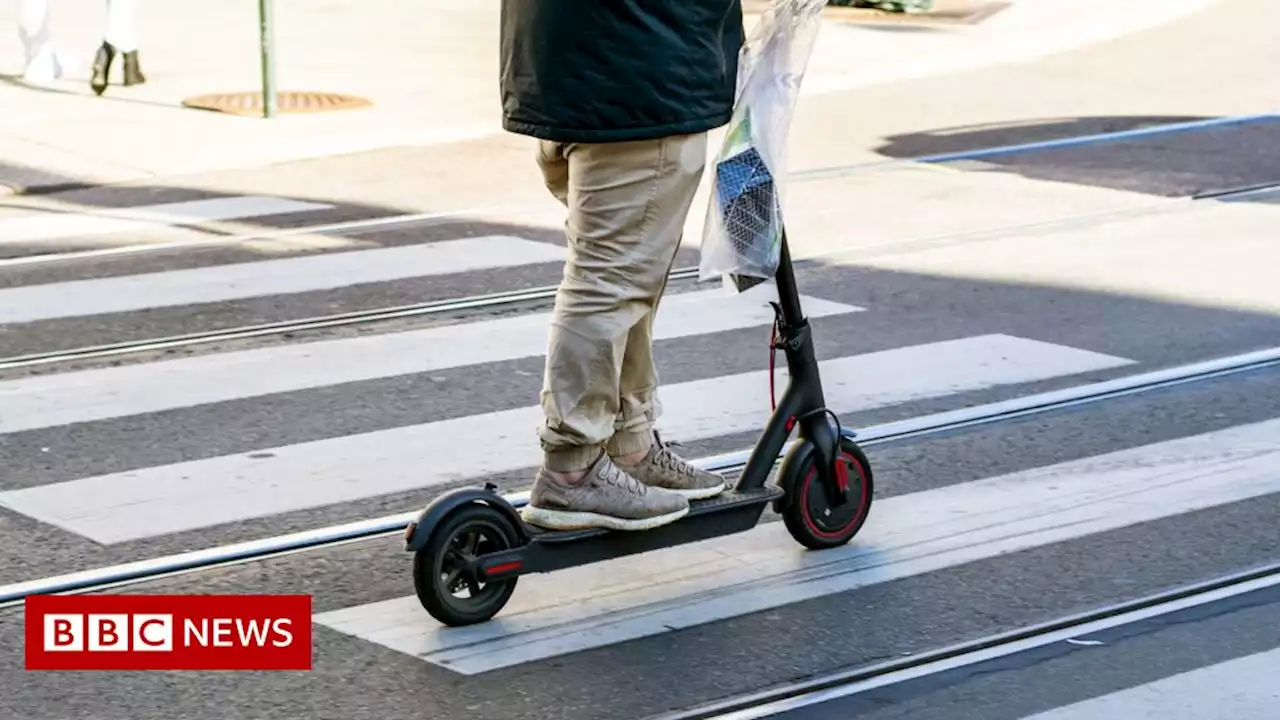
(168,632)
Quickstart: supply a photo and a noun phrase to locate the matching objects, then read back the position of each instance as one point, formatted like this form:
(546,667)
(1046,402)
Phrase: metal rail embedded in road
(794,697)
(435,307)
(1239,193)
(155,568)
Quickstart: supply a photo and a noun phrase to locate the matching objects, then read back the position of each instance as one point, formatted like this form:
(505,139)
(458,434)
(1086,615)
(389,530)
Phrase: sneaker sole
(568,520)
(698,493)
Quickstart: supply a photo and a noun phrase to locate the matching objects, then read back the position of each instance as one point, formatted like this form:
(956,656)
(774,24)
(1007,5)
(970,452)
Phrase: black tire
(436,577)
(805,509)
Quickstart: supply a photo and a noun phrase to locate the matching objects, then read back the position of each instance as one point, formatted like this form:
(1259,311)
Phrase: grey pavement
(430,71)
(933,287)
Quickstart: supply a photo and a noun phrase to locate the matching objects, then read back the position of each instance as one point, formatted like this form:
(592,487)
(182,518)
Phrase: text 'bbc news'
(169,632)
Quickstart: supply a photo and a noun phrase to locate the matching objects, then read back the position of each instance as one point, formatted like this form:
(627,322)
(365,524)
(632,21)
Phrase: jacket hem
(607,135)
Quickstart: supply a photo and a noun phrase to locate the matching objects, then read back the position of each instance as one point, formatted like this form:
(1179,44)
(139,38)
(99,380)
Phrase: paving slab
(429,69)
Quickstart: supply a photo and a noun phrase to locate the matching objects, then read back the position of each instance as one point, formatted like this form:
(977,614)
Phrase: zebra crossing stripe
(44,226)
(1241,688)
(263,278)
(66,398)
(156,501)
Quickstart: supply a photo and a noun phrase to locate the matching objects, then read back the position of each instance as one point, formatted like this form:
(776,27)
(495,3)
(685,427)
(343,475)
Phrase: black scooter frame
(735,510)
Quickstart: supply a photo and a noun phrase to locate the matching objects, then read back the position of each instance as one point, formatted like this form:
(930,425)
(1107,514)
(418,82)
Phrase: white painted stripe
(145,218)
(262,240)
(640,596)
(1246,688)
(185,496)
(268,277)
(1070,634)
(46,401)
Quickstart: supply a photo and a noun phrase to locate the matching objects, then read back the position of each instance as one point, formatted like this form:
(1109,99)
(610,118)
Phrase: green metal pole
(268,58)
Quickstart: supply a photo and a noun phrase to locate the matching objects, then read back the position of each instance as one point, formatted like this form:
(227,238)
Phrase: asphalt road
(1216,659)
(932,288)
(354,678)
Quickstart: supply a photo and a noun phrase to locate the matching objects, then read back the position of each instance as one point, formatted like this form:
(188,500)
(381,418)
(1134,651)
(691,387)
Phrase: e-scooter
(474,540)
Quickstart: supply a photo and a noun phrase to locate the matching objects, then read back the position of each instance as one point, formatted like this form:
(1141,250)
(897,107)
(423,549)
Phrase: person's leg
(121,32)
(120,36)
(633,445)
(41,63)
(33,27)
(621,239)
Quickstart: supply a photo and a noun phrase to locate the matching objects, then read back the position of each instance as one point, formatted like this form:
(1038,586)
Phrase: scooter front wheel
(444,567)
(806,510)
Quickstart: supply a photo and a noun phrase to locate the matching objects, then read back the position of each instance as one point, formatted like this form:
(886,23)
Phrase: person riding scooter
(620,97)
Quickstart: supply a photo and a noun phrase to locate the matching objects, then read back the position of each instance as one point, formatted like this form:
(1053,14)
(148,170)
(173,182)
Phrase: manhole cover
(250,103)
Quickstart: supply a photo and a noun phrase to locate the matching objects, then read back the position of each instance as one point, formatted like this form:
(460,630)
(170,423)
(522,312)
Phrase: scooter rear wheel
(807,512)
(440,567)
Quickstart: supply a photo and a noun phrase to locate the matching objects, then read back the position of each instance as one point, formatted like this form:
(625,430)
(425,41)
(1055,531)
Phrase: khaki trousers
(627,204)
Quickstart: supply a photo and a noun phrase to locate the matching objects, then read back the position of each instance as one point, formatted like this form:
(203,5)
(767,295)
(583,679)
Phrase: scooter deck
(730,512)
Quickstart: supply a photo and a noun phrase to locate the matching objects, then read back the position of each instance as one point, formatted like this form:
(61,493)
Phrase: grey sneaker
(662,468)
(606,497)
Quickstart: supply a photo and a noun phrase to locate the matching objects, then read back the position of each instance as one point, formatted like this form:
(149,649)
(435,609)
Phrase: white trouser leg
(43,63)
(33,29)
(121,31)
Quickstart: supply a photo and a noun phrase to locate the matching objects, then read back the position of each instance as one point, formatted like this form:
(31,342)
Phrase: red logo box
(168,632)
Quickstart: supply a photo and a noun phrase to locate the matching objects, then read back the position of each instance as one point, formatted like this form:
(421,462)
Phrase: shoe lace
(614,475)
(664,458)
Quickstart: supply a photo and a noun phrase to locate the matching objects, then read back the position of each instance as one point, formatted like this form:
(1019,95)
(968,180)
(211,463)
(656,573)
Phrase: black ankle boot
(101,68)
(133,70)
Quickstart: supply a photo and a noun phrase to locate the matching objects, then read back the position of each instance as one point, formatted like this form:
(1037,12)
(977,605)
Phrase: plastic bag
(742,235)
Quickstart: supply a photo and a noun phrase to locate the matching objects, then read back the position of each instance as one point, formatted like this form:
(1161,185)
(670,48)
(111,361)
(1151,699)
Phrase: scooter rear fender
(419,531)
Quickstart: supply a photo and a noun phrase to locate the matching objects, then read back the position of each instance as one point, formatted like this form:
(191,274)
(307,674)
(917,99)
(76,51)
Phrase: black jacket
(618,70)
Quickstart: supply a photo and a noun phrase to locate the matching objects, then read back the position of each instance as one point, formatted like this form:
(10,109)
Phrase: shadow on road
(1178,164)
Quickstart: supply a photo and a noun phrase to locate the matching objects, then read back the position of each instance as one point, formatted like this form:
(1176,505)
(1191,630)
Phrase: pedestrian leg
(40,61)
(119,37)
